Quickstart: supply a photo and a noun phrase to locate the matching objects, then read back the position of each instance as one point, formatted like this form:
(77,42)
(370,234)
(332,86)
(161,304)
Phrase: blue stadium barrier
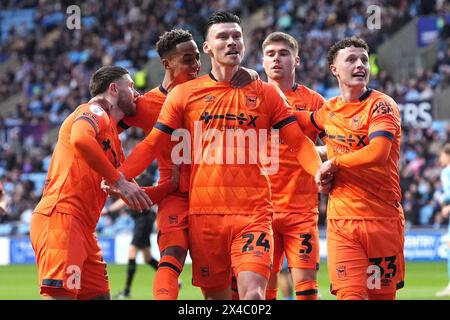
(21,252)
(420,245)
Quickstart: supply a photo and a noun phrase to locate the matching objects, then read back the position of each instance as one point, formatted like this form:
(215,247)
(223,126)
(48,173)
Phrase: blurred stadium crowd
(54,64)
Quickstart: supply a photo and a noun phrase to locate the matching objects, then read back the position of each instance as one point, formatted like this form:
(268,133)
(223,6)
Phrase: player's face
(351,67)
(185,61)
(279,60)
(127,95)
(225,44)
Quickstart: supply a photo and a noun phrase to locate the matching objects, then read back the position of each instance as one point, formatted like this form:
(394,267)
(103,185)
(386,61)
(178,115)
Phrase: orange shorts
(68,257)
(221,244)
(297,236)
(173,213)
(177,238)
(366,255)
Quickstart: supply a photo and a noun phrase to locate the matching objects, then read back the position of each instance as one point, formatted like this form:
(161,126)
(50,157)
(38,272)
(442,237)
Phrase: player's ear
(113,89)
(165,63)
(297,61)
(333,70)
(206,48)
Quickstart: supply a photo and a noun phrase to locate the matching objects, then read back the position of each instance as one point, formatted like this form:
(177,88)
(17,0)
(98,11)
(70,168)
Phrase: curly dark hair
(345,43)
(169,40)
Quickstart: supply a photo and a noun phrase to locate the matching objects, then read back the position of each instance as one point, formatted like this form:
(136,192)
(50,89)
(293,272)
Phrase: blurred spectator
(3,204)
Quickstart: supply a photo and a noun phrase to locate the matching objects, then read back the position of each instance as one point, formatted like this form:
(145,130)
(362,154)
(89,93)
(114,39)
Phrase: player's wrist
(119,179)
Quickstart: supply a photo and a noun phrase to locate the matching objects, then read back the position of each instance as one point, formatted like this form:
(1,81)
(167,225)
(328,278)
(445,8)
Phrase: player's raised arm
(306,121)
(375,153)
(145,117)
(305,149)
(290,131)
(145,152)
(383,127)
(311,121)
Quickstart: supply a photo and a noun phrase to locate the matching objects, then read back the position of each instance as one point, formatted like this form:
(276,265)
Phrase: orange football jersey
(72,186)
(148,108)
(372,192)
(293,189)
(212,112)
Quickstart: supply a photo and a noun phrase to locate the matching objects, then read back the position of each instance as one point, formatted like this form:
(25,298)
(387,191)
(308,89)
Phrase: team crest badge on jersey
(250,101)
(96,110)
(355,123)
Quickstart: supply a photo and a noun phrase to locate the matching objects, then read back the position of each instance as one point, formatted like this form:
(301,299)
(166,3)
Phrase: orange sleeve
(159,192)
(317,119)
(281,111)
(144,153)
(145,117)
(323,136)
(384,118)
(304,119)
(82,138)
(172,111)
(375,153)
(305,149)
(284,120)
(317,101)
(93,114)
(384,122)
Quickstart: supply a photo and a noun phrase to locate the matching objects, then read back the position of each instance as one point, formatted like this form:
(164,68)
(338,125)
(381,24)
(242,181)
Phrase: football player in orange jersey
(365,220)
(181,60)
(230,211)
(294,193)
(68,256)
